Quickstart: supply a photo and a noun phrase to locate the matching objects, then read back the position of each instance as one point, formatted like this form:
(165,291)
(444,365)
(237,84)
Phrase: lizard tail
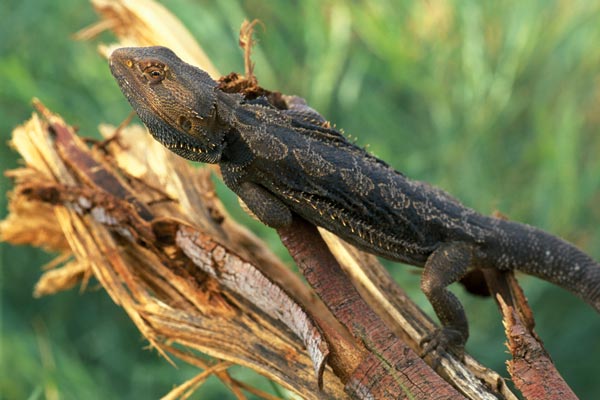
(548,257)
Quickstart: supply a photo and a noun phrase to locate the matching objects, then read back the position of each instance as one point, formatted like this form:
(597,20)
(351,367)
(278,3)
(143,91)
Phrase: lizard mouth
(184,146)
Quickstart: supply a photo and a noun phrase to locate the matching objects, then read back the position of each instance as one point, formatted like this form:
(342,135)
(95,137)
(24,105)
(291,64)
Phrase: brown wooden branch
(390,368)
(531,368)
(152,231)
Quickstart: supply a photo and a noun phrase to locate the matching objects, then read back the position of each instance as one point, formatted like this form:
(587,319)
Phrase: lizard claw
(444,339)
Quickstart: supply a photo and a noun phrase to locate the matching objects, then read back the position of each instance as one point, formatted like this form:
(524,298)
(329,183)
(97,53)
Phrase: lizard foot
(444,339)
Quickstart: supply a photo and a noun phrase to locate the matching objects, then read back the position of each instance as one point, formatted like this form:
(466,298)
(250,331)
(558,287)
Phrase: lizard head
(175,100)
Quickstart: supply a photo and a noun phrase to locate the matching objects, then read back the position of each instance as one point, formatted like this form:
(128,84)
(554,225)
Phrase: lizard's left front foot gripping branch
(446,265)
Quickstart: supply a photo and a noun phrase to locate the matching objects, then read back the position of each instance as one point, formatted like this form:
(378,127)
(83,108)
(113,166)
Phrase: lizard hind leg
(446,265)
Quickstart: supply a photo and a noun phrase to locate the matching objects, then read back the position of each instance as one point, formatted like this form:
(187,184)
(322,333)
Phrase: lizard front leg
(267,208)
(446,265)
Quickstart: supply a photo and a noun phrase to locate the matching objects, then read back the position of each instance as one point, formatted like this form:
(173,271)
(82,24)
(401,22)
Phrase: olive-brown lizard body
(281,162)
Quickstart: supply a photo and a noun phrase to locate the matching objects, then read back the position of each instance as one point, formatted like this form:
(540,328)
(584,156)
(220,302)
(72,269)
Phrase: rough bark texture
(151,230)
(531,368)
(392,369)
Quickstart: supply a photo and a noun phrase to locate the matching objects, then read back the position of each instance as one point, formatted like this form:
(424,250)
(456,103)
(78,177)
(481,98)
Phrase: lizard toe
(444,340)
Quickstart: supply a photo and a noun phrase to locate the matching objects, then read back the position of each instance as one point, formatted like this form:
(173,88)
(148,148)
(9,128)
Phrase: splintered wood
(146,23)
(85,203)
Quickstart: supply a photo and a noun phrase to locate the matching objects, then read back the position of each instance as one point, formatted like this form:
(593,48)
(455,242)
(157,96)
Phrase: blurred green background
(496,102)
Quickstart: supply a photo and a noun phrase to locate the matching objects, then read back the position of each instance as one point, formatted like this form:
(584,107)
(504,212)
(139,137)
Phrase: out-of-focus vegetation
(496,102)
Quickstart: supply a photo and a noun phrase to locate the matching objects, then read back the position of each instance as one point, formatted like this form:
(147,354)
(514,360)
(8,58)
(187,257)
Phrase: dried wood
(391,369)
(113,229)
(531,368)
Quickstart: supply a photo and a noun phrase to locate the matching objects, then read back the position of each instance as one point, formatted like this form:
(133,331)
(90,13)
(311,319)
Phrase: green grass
(496,102)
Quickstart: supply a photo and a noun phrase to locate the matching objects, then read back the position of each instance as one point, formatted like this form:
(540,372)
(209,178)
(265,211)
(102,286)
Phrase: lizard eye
(185,123)
(154,74)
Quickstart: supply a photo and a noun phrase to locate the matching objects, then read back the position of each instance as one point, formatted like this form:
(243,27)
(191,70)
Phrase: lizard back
(335,184)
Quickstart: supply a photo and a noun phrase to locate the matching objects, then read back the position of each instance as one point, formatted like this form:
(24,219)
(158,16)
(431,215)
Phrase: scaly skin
(281,162)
